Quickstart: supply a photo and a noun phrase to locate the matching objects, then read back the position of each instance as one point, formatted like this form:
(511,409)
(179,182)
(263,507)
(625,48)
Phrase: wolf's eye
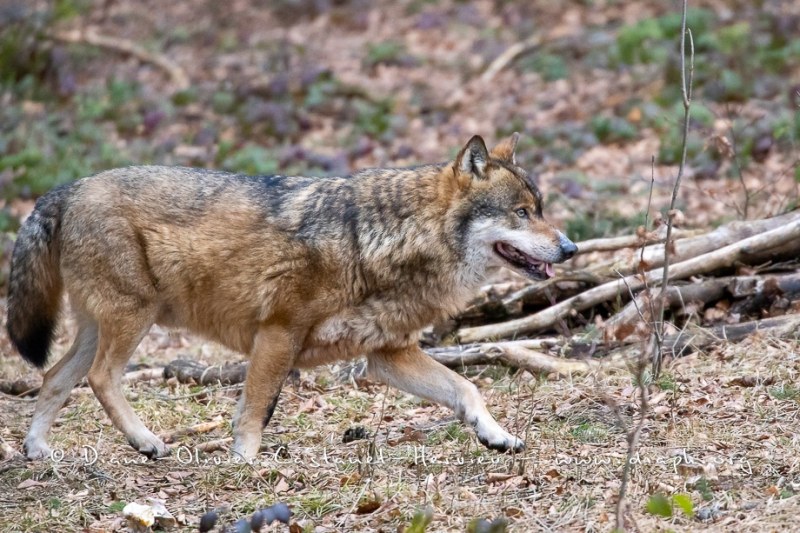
(522,212)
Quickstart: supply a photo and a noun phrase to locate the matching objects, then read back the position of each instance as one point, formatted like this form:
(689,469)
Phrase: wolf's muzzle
(568,248)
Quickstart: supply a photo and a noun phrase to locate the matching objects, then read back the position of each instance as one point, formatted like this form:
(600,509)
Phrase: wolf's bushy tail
(35,284)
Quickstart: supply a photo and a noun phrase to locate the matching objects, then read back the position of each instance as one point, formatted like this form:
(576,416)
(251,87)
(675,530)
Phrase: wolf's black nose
(568,248)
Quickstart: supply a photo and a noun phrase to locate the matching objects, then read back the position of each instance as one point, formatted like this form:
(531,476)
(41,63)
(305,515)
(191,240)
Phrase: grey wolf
(291,271)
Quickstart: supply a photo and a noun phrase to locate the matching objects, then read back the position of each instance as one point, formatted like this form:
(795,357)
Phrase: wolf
(291,271)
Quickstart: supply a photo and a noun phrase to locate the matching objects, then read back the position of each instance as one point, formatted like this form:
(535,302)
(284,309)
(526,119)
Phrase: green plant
(635,43)
(589,432)
(551,67)
(253,160)
(372,117)
(422,519)
(386,52)
(786,391)
(612,129)
(660,505)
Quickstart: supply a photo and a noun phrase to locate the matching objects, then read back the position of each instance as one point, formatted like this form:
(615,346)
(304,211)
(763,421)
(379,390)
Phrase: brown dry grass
(733,448)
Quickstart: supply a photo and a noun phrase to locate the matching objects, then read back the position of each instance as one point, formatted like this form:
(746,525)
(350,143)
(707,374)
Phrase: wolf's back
(35,284)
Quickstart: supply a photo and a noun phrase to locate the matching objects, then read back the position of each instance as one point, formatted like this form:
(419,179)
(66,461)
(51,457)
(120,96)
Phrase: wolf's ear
(472,158)
(506,148)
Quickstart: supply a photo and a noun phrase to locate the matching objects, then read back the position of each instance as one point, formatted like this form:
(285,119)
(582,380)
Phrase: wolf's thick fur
(293,271)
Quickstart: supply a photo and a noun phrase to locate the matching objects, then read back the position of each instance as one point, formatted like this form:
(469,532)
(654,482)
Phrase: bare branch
(686,90)
(124,46)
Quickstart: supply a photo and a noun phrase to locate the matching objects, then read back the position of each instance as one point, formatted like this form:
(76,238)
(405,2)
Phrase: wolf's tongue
(548,269)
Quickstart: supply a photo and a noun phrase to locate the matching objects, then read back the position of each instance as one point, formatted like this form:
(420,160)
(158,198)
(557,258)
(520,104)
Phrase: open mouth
(533,267)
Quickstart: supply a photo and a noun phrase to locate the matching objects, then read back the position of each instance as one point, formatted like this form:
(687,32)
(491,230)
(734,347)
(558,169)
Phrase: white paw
(245,447)
(149,445)
(496,438)
(36,449)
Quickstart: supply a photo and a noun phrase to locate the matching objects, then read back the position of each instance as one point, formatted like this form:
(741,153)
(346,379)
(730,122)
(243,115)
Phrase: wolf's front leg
(270,362)
(412,370)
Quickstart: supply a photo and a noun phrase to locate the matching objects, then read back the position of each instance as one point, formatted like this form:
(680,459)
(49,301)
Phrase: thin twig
(509,55)
(686,91)
(738,166)
(633,436)
(646,292)
(653,344)
(649,200)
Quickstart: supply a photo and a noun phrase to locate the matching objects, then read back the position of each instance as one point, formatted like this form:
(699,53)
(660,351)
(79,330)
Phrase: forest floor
(327,87)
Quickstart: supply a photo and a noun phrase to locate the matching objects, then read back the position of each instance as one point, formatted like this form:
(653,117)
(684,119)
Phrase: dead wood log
(722,236)
(21,387)
(214,445)
(144,374)
(500,303)
(693,338)
(515,354)
(714,289)
(489,302)
(188,371)
(626,262)
(701,264)
(612,244)
(197,429)
(696,338)
(577,356)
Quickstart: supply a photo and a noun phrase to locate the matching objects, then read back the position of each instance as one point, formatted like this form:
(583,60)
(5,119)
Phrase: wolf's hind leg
(118,338)
(58,382)
(412,370)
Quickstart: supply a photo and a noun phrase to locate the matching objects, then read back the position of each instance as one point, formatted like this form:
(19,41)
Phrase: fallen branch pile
(752,245)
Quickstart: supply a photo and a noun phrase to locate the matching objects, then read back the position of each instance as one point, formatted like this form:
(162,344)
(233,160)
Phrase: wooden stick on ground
(509,55)
(612,244)
(725,256)
(723,236)
(188,371)
(697,338)
(124,46)
(515,354)
(709,290)
(214,445)
(198,429)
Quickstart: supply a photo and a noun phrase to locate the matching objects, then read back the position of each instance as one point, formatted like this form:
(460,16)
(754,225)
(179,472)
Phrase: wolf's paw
(501,441)
(36,449)
(150,446)
(244,449)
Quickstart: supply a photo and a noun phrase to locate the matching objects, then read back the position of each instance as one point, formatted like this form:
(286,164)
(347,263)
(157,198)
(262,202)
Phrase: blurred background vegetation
(326,86)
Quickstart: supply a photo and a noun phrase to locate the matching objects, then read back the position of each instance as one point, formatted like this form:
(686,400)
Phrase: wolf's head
(499,213)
